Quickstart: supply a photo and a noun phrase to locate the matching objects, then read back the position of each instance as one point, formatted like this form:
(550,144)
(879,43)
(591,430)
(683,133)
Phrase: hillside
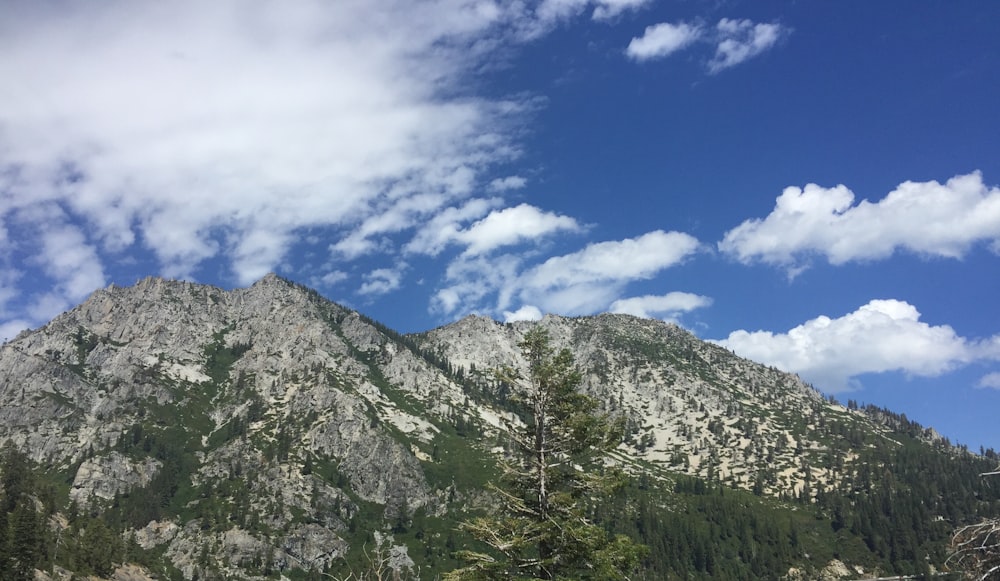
(267,432)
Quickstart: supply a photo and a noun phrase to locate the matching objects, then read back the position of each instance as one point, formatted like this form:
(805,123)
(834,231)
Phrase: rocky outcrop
(105,476)
(248,388)
(691,406)
(271,418)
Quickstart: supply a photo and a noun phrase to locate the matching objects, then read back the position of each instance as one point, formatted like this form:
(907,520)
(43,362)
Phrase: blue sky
(812,184)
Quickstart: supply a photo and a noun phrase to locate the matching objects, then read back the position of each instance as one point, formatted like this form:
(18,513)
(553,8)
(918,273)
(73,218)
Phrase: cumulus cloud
(512,225)
(668,307)
(927,218)
(381,281)
(504,227)
(739,40)
(525,313)
(662,40)
(881,336)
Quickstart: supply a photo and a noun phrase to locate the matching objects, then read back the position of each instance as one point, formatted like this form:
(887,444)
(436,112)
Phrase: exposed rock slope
(252,428)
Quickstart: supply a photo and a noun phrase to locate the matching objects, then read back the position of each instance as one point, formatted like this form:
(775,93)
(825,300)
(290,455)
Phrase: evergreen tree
(541,529)
(27,541)
(100,548)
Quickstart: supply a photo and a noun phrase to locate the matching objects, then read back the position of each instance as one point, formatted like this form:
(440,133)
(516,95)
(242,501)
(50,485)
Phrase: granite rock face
(247,386)
(262,423)
(106,476)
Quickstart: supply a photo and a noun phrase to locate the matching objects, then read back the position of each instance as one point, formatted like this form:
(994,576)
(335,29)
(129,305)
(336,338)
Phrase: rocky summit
(266,433)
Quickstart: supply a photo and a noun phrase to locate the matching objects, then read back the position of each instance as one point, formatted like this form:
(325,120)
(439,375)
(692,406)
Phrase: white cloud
(47,306)
(739,40)
(224,130)
(735,41)
(923,217)
(397,216)
(511,226)
(471,280)
(583,282)
(69,259)
(610,9)
(329,279)
(64,255)
(499,228)
(381,281)
(446,226)
(10,329)
(661,40)
(525,313)
(257,251)
(630,259)
(881,336)
(669,306)
(8,288)
(550,12)
(507,183)
(990,380)
(590,280)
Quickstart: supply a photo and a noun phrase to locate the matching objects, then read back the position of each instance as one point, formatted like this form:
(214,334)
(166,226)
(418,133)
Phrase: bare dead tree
(975,548)
(381,565)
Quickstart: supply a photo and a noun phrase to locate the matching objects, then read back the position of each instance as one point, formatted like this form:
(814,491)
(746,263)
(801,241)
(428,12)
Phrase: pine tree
(541,529)
(100,548)
(27,541)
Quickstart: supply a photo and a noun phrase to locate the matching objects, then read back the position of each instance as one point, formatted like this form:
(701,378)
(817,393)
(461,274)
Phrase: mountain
(267,432)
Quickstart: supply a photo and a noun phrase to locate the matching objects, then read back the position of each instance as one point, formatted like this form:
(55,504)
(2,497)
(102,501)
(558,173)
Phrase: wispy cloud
(668,307)
(550,12)
(739,40)
(629,259)
(611,9)
(990,380)
(203,131)
(507,183)
(923,217)
(582,282)
(382,281)
(881,336)
(735,41)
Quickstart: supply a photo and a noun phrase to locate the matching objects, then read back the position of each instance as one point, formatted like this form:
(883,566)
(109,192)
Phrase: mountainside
(268,432)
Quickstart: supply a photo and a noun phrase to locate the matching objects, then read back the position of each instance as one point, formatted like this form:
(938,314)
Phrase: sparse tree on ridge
(540,529)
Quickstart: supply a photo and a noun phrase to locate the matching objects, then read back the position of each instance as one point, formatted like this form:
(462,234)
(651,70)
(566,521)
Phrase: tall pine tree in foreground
(540,529)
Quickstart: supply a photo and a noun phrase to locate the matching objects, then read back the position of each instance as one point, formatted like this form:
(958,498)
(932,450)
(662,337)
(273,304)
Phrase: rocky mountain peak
(268,419)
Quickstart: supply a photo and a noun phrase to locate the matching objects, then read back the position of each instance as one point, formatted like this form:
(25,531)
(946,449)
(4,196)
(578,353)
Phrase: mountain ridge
(269,430)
